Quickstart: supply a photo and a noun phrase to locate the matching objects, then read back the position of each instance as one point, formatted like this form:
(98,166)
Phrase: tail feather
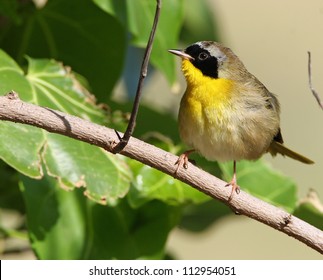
(279,148)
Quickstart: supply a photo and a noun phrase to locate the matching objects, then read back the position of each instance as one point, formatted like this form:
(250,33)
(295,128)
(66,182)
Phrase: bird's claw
(235,187)
(182,161)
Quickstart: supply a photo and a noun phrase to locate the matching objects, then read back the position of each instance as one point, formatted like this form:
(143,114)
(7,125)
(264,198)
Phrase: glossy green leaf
(78,164)
(19,153)
(150,184)
(76,32)
(261,180)
(73,163)
(14,149)
(310,210)
(138,17)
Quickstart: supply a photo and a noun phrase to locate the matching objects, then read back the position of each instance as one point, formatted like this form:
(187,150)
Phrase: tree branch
(314,92)
(143,73)
(15,110)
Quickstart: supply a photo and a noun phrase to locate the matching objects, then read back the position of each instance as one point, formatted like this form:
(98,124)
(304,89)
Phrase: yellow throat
(205,90)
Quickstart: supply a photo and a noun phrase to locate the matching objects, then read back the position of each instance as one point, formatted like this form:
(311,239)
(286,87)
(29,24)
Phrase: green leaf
(55,219)
(310,210)
(78,164)
(73,163)
(150,184)
(14,149)
(170,19)
(138,17)
(198,23)
(124,233)
(77,32)
(53,85)
(116,8)
(22,155)
(165,123)
(64,225)
(10,196)
(8,9)
(198,217)
(261,180)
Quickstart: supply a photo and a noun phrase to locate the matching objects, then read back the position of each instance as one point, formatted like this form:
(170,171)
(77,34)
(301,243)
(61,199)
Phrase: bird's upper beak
(182,54)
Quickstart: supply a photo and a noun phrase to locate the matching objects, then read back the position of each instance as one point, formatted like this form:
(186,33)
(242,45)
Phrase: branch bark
(15,110)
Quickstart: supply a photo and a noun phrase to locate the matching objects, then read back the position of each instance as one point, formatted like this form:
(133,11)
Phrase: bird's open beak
(182,54)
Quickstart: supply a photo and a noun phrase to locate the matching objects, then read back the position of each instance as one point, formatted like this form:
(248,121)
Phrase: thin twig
(15,110)
(315,93)
(143,73)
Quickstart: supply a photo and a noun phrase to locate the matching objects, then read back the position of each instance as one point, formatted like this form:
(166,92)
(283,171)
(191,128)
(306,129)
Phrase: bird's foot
(182,161)
(234,185)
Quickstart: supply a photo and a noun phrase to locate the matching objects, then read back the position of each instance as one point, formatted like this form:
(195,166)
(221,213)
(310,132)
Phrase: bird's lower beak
(182,54)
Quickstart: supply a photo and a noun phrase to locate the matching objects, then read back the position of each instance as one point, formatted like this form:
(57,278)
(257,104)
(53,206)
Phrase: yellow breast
(213,121)
(205,95)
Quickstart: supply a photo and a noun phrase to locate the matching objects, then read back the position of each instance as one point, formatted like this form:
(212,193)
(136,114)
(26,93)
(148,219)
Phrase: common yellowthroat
(226,113)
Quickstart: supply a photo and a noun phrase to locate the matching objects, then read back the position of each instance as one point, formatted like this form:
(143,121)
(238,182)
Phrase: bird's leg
(233,182)
(183,160)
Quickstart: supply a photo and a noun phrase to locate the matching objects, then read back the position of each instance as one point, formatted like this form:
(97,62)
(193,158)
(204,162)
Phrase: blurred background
(272,39)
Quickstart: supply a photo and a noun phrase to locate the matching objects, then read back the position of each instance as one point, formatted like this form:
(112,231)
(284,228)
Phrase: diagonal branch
(315,93)
(15,110)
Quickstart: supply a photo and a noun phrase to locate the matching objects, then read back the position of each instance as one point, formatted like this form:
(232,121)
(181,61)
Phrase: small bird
(226,113)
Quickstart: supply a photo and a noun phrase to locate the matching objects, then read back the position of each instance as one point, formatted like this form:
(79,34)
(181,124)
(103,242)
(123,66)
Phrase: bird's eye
(203,56)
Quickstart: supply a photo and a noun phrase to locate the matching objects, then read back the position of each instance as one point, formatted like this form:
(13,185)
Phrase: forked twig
(315,93)
(143,73)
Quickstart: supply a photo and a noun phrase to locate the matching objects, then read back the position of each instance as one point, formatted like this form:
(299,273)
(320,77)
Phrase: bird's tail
(279,148)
